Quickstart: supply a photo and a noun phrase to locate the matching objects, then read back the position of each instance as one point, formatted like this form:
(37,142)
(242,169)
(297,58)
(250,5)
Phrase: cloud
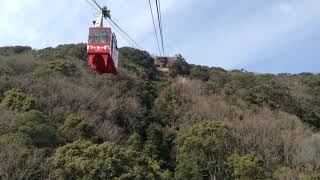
(226,33)
(40,23)
(249,31)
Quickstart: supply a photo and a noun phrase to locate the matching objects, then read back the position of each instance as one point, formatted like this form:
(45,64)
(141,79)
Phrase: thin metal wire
(92,6)
(124,37)
(97,4)
(121,30)
(160,15)
(160,25)
(155,28)
(134,125)
(126,34)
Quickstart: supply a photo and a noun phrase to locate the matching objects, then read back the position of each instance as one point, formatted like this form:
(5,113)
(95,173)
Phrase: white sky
(257,35)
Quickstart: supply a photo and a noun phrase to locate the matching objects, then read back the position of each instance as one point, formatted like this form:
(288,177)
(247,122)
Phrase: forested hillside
(59,120)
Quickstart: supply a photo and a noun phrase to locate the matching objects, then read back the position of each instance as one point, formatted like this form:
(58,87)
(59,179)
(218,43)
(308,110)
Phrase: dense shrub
(152,146)
(213,144)
(75,128)
(63,51)
(246,167)
(4,128)
(159,122)
(307,155)
(6,51)
(137,57)
(180,67)
(18,160)
(17,100)
(274,136)
(170,104)
(38,127)
(54,66)
(84,160)
(135,142)
(200,72)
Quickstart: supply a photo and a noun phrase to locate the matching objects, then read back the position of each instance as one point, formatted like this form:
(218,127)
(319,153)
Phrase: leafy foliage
(153,144)
(144,124)
(214,144)
(200,72)
(16,100)
(63,51)
(135,142)
(132,57)
(170,104)
(37,126)
(4,129)
(6,51)
(54,66)
(84,160)
(180,67)
(246,167)
(75,128)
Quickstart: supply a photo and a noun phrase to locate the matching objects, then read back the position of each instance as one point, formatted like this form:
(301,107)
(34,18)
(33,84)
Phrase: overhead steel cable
(162,36)
(155,28)
(160,15)
(160,24)
(124,37)
(95,2)
(121,30)
(125,34)
(92,6)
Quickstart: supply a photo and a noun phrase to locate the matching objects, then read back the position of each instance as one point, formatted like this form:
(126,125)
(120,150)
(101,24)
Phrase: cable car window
(98,35)
(93,39)
(94,32)
(104,35)
(103,39)
(104,32)
(94,35)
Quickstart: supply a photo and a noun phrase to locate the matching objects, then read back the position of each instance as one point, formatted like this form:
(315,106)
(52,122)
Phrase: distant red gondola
(102,48)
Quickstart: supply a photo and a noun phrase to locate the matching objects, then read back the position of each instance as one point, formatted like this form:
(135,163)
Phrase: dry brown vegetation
(267,125)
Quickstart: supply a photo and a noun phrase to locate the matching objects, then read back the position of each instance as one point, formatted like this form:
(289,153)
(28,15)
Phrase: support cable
(123,33)
(126,34)
(123,36)
(155,28)
(160,24)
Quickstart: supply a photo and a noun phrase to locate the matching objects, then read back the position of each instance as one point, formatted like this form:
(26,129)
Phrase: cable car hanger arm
(105,13)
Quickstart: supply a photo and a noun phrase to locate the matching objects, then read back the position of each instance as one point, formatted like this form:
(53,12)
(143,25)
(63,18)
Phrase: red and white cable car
(102,48)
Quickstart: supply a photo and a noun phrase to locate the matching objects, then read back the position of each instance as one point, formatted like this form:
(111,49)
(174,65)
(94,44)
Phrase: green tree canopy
(130,57)
(4,128)
(36,125)
(75,128)
(17,100)
(64,68)
(180,67)
(246,167)
(202,151)
(200,72)
(84,160)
